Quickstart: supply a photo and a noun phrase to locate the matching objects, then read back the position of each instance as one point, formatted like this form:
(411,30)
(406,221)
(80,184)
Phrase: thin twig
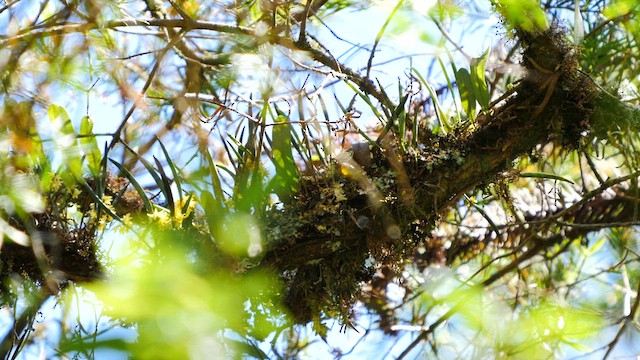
(117,134)
(36,32)
(303,24)
(9,4)
(626,321)
(21,324)
(379,37)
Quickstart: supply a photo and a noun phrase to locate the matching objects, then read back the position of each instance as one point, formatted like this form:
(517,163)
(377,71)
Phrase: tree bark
(555,102)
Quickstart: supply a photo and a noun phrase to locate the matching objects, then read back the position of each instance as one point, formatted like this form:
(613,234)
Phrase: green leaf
(58,113)
(442,117)
(236,149)
(479,208)
(256,11)
(619,8)
(400,115)
(540,175)
(386,23)
(166,192)
(173,167)
(89,146)
(100,203)
(578,346)
(593,248)
(449,85)
(367,100)
(523,14)
(17,236)
(467,93)
(285,181)
(252,351)
(167,187)
(215,181)
(89,344)
(479,83)
(72,156)
(210,206)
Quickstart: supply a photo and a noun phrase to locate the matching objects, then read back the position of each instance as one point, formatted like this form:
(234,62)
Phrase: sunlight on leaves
(465,90)
(478,81)
(522,333)
(524,14)
(179,309)
(240,236)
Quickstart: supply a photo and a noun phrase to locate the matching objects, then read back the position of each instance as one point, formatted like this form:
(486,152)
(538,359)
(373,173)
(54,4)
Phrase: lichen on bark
(328,257)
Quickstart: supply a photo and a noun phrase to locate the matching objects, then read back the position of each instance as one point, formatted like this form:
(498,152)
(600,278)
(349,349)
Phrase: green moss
(611,114)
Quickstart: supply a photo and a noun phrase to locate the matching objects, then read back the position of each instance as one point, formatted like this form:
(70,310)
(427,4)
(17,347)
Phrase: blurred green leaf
(66,141)
(211,210)
(184,309)
(578,346)
(248,348)
(239,235)
(89,145)
(17,236)
(523,14)
(90,344)
(619,8)
(595,247)
(58,114)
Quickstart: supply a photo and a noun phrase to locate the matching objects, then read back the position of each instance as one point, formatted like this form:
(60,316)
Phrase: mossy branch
(325,243)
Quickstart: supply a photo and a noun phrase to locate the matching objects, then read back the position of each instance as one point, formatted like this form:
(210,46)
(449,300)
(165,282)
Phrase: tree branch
(41,31)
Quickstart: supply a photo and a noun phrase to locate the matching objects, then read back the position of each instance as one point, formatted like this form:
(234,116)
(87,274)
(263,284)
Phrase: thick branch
(554,102)
(449,167)
(327,238)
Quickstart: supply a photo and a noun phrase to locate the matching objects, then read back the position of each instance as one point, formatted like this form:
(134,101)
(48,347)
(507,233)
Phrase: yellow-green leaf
(540,175)
(523,14)
(65,139)
(480,89)
(286,179)
(89,146)
(59,114)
